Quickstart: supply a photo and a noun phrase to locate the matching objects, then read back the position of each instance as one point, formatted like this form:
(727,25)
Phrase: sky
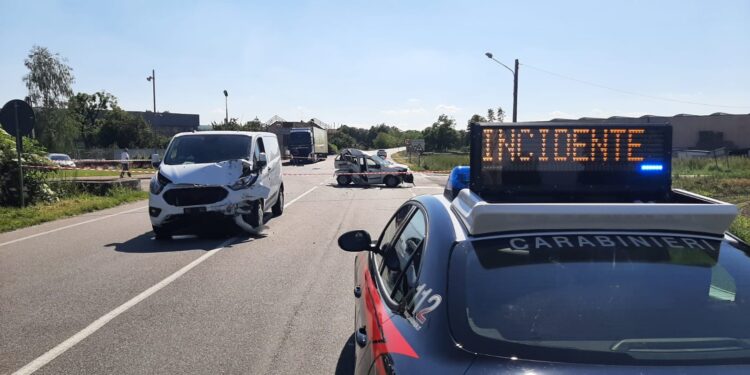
(402,63)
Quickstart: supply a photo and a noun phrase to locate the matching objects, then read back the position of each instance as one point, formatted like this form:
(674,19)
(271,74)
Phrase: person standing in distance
(125,159)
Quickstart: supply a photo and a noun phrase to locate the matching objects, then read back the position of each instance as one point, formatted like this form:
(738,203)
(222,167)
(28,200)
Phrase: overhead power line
(631,92)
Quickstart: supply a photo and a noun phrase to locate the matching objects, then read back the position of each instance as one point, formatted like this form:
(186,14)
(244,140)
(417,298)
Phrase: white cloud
(403,111)
(444,108)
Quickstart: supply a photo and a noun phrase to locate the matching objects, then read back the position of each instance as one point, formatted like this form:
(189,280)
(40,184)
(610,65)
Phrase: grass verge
(434,162)
(14,218)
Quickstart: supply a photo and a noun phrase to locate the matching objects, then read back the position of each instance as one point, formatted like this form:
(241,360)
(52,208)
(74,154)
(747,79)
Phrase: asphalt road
(96,293)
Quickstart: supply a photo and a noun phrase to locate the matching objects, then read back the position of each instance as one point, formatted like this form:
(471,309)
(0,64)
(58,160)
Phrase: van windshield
(209,148)
(595,297)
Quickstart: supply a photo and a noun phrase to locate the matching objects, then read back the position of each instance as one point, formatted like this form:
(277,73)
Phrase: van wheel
(278,208)
(255,219)
(391,181)
(343,180)
(161,234)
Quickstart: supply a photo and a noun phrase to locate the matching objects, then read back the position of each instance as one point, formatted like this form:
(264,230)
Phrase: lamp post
(226,106)
(515,82)
(152,79)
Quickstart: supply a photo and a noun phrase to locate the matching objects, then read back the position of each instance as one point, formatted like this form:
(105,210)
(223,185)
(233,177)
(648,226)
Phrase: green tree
(442,135)
(491,114)
(232,124)
(88,110)
(125,130)
(385,140)
(56,129)
(500,114)
(254,126)
(49,78)
(342,140)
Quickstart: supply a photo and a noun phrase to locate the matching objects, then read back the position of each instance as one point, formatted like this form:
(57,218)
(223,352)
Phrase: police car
(562,248)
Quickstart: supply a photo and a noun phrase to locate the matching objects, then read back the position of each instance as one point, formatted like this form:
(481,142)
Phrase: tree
(88,110)
(385,140)
(342,140)
(232,124)
(56,129)
(500,114)
(254,126)
(491,114)
(442,135)
(125,130)
(49,79)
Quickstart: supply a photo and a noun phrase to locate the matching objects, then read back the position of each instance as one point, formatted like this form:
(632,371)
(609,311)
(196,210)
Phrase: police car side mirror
(356,240)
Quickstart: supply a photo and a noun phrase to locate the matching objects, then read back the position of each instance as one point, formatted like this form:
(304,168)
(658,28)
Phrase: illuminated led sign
(570,157)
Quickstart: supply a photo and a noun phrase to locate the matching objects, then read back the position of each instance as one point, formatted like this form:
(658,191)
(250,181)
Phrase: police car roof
(694,213)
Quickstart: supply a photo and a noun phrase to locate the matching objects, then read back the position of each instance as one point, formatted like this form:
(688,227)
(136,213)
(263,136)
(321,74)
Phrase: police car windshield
(209,148)
(624,296)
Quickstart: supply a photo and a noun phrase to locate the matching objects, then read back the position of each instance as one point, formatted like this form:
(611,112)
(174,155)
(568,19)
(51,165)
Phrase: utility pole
(152,79)
(515,92)
(226,106)
(515,83)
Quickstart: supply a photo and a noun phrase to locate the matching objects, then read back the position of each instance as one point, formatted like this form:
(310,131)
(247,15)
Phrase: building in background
(169,124)
(694,132)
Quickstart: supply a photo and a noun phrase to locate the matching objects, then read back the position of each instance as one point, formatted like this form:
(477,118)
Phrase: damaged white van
(210,178)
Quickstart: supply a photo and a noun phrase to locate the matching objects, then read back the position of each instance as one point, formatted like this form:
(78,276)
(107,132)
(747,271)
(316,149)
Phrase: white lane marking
(99,323)
(69,226)
(302,195)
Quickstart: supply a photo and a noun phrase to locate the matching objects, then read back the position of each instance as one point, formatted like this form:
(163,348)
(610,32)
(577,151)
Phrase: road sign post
(17,118)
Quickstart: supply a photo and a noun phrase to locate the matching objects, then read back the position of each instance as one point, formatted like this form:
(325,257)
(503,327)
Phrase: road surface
(96,294)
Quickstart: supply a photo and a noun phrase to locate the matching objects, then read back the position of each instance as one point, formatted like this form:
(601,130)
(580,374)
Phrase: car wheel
(278,208)
(391,181)
(161,234)
(343,180)
(255,219)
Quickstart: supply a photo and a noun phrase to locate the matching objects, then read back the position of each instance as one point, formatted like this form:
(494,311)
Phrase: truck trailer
(308,144)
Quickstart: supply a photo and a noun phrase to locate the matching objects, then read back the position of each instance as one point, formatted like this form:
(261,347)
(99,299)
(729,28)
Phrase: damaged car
(214,178)
(354,166)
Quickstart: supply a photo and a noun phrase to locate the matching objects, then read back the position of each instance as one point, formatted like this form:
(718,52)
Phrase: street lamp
(226,106)
(515,82)
(152,79)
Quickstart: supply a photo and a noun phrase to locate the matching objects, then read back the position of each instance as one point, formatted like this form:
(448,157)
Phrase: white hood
(221,173)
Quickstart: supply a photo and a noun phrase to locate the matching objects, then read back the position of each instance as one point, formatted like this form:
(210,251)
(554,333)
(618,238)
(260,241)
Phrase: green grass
(732,166)
(435,162)
(14,218)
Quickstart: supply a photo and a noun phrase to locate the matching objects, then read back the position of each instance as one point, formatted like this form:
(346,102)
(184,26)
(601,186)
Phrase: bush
(35,180)
(332,149)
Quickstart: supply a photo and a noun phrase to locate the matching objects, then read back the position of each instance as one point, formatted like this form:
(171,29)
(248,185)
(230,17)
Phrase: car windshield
(299,138)
(379,160)
(606,296)
(59,157)
(208,148)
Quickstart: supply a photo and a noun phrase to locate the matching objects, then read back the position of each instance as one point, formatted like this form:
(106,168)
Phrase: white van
(209,178)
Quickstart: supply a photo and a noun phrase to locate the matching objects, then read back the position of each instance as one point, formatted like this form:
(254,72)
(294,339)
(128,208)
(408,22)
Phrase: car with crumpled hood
(209,179)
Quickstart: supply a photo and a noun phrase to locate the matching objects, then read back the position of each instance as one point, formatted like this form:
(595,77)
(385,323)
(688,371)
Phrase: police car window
(401,261)
(390,231)
(663,297)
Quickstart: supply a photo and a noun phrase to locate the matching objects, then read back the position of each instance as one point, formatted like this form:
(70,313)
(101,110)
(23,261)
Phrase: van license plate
(194,210)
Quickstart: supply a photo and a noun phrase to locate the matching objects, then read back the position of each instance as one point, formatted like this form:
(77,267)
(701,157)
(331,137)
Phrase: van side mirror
(262,161)
(155,161)
(356,240)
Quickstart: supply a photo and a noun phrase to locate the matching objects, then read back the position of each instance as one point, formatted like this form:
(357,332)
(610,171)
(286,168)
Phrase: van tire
(278,207)
(255,219)
(343,180)
(161,234)
(391,181)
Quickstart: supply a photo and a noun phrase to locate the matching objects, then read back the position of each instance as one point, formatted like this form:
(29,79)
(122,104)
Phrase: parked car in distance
(382,154)
(62,160)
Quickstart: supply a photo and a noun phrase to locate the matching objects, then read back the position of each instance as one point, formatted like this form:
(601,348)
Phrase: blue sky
(398,62)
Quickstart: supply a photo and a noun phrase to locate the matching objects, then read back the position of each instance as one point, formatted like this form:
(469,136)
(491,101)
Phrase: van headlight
(158,182)
(244,182)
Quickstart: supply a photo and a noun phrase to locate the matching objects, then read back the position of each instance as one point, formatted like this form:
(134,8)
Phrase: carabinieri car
(569,261)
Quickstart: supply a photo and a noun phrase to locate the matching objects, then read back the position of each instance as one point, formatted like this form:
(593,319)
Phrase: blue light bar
(652,167)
